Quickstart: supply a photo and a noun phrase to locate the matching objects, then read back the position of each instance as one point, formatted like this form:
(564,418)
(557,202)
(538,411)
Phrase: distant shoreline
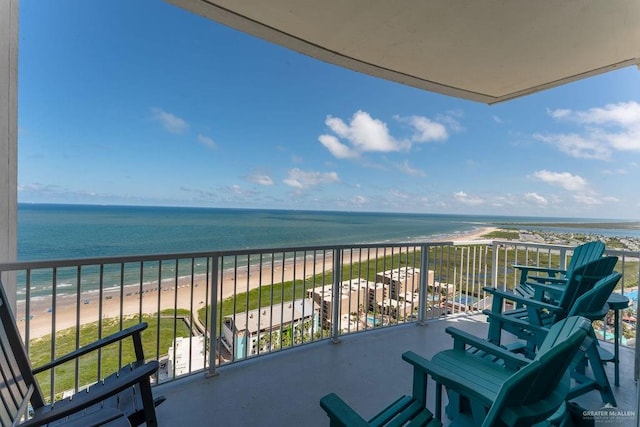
(631,225)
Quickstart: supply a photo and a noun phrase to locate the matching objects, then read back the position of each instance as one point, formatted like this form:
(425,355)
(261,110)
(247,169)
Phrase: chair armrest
(340,413)
(552,280)
(533,329)
(546,290)
(96,394)
(118,336)
(522,300)
(445,376)
(462,338)
(549,270)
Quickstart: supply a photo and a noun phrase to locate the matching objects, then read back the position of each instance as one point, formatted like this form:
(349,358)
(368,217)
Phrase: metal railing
(207,309)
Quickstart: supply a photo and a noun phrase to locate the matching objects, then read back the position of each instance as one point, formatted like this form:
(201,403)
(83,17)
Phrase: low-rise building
(356,296)
(268,328)
(403,279)
(180,362)
(398,309)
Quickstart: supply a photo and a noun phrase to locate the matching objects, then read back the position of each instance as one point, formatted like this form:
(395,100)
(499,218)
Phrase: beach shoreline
(190,292)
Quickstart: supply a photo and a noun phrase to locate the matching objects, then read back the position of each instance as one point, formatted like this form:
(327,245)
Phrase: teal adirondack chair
(582,254)
(517,392)
(120,399)
(406,410)
(593,306)
(536,313)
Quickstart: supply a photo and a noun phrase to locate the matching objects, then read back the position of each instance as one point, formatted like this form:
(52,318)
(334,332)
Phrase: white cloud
(206,141)
(450,119)
(260,179)
(562,179)
(336,148)
(559,113)
(463,197)
(577,146)
(359,200)
(399,195)
(625,114)
(410,170)
(170,122)
(612,127)
(585,199)
(302,179)
(536,198)
(365,133)
(427,130)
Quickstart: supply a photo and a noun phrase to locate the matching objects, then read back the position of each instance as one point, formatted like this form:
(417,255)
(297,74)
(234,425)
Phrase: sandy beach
(189,293)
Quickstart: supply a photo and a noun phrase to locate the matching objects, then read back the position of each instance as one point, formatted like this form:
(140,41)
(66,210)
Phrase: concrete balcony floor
(365,369)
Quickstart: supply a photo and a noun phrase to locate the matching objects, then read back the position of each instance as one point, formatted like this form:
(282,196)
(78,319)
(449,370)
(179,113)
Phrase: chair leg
(438,407)
(600,381)
(148,403)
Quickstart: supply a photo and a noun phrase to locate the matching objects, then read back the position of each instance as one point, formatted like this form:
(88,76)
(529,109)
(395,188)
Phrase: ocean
(48,231)
(59,232)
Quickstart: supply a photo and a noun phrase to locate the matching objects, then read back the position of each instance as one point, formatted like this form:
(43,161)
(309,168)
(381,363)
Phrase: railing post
(563,259)
(423,285)
(494,264)
(336,295)
(213,333)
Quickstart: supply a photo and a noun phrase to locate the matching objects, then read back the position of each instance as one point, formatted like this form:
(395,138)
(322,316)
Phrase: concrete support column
(9,139)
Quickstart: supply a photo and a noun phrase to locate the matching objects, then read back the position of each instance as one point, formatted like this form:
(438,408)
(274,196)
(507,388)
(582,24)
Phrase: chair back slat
(18,387)
(594,300)
(585,253)
(583,278)
(12,388)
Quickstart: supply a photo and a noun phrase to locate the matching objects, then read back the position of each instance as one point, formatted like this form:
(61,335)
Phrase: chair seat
(405,411)
(474,377)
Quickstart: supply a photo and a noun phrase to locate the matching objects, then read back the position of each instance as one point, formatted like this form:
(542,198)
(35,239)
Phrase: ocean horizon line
(587,220)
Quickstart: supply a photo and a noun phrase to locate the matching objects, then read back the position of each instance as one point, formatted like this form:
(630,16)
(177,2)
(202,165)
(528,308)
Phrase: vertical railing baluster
(213,331)
(100,296)
(335,305)
(158,309)
(78,325)
(494,267)
(176,283)
(424,277)
(192,285)
(121,311)
(53,330)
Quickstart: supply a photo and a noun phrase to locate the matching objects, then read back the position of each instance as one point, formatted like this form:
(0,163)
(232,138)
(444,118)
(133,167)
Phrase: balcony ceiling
(483,50)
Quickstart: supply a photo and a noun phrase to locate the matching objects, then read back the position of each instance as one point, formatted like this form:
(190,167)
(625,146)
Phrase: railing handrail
(75,262)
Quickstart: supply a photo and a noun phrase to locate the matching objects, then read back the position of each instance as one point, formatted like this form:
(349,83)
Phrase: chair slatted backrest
(583,279)
(585,253)
(537,390)
(18,387)
(594,300)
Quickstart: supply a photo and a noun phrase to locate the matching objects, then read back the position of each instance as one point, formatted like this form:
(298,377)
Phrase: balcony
(258,336)
(365,369)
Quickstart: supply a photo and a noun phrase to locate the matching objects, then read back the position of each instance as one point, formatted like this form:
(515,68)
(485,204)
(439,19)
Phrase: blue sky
(142,103)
